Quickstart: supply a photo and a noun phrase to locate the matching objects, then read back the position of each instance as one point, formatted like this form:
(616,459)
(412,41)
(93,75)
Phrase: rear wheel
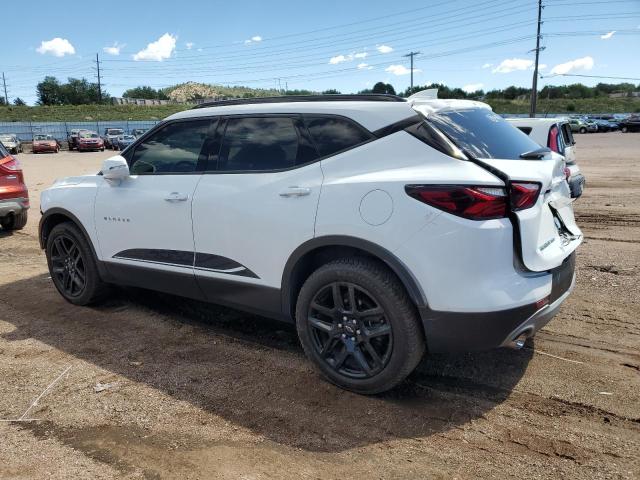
(624,129)
(583,130)
(357,324)
(14,221)
(72,265)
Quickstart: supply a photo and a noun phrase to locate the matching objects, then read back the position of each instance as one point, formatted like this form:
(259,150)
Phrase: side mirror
(115,168)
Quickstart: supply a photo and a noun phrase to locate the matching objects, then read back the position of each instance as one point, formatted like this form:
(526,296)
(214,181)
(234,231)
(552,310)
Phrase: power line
(588,76)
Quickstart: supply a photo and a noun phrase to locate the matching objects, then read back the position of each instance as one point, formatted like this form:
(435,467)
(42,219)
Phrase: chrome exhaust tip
(518,342)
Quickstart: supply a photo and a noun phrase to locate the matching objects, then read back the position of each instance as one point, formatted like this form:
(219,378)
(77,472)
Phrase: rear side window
(567,135)
(483,134)
(175,148)
(526,130)
(262,144)
(335,134)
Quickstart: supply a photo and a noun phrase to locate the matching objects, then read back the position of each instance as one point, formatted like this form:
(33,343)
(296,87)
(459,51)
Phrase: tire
(338,347)
(14,222)
(583,130)
(69,257)
(624,129)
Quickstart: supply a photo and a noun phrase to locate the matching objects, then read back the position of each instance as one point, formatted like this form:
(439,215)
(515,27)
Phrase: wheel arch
(55,216)
(320,250)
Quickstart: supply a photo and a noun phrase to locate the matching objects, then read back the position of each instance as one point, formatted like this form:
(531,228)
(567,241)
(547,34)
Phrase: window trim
(130,151)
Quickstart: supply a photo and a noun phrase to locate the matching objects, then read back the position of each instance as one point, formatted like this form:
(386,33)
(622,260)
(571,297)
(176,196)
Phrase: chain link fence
(60,130)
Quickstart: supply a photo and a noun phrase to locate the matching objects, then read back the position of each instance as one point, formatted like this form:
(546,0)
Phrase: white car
(383,228)
(556,134)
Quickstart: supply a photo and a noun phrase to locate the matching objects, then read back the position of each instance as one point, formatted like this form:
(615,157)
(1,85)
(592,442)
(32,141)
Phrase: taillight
(472,202)
(10,163)
(524,195)
(567,173)
(553,139)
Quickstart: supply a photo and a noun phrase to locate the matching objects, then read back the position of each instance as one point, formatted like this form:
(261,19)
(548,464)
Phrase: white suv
(381,227)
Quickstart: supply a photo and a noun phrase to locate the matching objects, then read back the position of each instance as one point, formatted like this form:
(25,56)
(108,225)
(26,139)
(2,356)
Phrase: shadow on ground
(252,372)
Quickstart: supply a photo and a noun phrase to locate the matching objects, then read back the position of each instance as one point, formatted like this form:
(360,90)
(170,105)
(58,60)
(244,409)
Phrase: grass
(80,113)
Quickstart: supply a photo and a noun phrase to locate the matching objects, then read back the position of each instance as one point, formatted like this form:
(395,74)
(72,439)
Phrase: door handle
(176,197)
(295,192)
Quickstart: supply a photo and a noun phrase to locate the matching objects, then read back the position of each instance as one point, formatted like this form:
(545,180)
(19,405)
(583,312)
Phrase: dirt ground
(199,391)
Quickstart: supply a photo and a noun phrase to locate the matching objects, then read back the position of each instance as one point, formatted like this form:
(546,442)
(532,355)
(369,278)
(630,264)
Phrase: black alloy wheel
(68,266)
(349,330)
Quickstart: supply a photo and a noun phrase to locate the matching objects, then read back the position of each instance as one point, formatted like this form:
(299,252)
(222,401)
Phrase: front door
(144,223)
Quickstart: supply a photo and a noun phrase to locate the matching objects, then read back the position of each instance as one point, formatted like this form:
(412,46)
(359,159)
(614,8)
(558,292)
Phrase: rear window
(482,133)
(335,134)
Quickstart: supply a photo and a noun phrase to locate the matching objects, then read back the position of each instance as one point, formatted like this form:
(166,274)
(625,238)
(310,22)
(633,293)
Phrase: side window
(261,144)
(526,130)
(334,134)
(174,148)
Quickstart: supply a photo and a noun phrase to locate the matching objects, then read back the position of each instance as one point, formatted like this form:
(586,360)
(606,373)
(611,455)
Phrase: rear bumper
(465,331)
(13,206)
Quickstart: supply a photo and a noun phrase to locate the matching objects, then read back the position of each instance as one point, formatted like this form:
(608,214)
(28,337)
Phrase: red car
(90,141)
(14,196)
(44,143)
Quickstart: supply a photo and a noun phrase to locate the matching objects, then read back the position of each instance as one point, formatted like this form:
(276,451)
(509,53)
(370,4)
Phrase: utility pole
(534,87)
(6,99)
(99,84)
(411,55)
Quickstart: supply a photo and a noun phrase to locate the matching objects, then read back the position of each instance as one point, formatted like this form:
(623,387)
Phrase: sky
(346,45)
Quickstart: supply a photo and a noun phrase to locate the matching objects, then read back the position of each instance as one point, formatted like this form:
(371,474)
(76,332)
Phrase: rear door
(547,231)
(253,207)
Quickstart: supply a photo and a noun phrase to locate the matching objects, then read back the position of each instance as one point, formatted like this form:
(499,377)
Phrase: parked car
(89,141)
(11,142)
(381,227)
(111,135)
(123,141)
(582,126)
(14,196)
(556,134)
(604,125)
(138,132)
(72,138)
(44,143)
(630,124)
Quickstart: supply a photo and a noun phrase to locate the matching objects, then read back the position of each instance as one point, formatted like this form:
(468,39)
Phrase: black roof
(369,97)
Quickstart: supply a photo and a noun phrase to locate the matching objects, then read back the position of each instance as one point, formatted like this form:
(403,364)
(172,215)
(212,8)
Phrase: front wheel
(624,129)
(358,326)
(72,265)
(583,130)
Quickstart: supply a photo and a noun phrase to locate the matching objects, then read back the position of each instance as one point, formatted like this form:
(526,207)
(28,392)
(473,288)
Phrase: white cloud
(364,66)
(114,49)
(584,63)
(400,70)
(338,59)
(513,64)
(473,87)
(159,50)
(607,36)
(254,39)
(542,66)
(384,49)
(360,55)
(189,45)
(487,65)
(58,47)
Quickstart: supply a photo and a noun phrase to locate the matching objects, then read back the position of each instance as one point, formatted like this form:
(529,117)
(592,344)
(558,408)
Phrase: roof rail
(368,97)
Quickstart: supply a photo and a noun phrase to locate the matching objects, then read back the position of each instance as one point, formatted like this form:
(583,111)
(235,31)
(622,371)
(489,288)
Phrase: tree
(331,91)
(382,87)
(145,92)
(75,92)
(2,101)
(19,102)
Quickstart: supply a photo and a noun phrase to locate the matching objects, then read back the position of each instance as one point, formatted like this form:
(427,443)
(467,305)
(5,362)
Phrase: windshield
(482,133)
(6,138)
(115,131)
(88,135)
(43,137)
(127,137)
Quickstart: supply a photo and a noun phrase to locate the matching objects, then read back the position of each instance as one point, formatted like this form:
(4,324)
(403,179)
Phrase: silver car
(11,142)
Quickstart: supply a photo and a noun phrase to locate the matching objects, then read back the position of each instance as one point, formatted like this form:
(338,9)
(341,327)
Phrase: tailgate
(547,231)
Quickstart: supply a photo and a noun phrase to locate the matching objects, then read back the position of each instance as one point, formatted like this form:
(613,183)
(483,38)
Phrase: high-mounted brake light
(524,195)
(472,202)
